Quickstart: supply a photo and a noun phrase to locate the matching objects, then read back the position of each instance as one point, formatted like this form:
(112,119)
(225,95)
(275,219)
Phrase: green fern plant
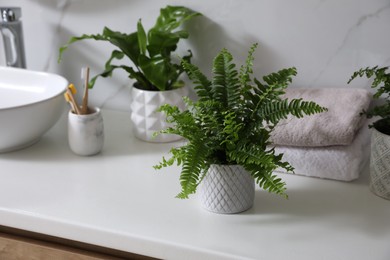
(381,82)
(231,122)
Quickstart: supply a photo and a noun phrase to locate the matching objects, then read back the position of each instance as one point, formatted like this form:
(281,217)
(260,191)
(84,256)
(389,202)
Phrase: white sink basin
(30,104)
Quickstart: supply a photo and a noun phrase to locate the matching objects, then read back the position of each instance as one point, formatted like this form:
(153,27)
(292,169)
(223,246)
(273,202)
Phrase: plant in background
(380,137)
(382,84)
(231,123)
(150,53)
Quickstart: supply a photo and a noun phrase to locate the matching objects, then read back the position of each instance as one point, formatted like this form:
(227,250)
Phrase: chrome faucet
(11,30)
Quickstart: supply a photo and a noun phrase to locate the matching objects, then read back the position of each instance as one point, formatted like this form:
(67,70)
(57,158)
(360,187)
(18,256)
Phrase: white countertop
(117,200)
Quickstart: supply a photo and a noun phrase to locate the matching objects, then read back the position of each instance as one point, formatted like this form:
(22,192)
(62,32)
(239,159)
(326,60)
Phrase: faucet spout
(12,32)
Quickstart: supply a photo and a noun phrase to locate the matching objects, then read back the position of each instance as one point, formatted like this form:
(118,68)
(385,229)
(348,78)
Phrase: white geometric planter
(227,189)
(146,121)
(380,164)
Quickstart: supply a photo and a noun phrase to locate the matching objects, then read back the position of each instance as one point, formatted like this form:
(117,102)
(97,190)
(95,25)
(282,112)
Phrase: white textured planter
(146,121)
(86,132)
(380,164)
(227,189)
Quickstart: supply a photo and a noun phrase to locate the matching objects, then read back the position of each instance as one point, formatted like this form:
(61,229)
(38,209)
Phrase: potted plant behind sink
(156,73)
(227,132)
(380,138)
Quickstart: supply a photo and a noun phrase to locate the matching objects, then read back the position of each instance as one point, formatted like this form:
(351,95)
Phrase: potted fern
(155,71)
(227,132)
(380,138)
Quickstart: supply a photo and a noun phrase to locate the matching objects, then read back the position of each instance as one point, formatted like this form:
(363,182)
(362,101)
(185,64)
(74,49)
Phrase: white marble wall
(325,39)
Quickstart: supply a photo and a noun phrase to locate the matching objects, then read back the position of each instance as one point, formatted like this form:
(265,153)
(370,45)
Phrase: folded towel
(337,126)
(343,163)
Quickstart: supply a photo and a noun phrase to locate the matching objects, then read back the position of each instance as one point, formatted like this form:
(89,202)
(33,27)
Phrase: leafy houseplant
(380,139)
(150,53)
(382,83)
(154,69)
(231,122)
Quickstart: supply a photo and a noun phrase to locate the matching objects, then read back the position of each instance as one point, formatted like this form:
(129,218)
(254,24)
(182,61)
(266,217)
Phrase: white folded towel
(343,163)
(337,126)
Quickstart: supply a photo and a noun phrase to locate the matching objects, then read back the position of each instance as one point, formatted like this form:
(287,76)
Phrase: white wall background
(325,39)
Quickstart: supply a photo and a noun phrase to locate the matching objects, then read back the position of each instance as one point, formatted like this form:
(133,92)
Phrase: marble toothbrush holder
(86,132)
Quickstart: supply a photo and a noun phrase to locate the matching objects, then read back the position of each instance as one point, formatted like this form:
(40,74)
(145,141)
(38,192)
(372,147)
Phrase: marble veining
(62,5)
(361,20)
(325,39)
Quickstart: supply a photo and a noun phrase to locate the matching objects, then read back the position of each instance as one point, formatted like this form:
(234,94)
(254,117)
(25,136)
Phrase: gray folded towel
(337,126)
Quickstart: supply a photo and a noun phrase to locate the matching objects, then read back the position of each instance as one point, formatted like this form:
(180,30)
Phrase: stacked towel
(333,144)
(339,162)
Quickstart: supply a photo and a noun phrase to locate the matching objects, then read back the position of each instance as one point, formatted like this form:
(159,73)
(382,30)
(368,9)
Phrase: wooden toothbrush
(85,75)
(69,97)
(69,100)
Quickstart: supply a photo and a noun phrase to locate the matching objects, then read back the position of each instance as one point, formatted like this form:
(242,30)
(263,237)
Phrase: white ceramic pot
(227,189)
(380,164)
(86,132)
(144,117)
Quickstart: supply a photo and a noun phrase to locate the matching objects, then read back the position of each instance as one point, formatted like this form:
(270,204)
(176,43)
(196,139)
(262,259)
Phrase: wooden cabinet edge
(18,244)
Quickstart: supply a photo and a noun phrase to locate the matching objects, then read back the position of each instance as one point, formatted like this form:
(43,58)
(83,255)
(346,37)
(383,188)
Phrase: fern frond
(266,180)
(247,69)
(164,163)
(170,111)
(193,165)
(282,78)
(252,154)
(231,130)
(261,163)
(178,155)
(277,83)
(202,84)
(184,122)
(379,110)
(192,157)
(270,183)
(299,108)
(381,81)
(226,87)
(274,111)
(380,77)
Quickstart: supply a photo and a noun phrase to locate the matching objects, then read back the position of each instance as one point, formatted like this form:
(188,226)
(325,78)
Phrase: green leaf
(142,41)
(146,49)
(158,70)
(171,17)
(127,43)
(163,43)
(97,37)
(109,68)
